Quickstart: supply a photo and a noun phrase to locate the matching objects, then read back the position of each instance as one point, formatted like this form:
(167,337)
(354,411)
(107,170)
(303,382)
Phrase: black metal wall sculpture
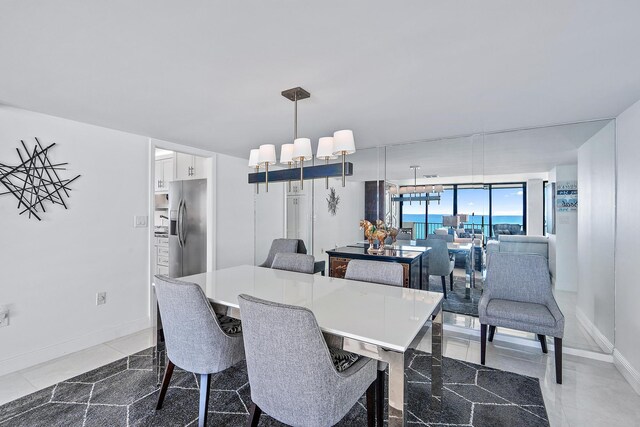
(35,181)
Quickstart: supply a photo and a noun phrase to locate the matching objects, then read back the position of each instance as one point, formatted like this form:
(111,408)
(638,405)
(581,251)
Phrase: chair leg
(483,342)
(492,331)
(165,383)
(557,343)
(543,343)
(380,397)
(451,281)
(371,404)
(444,286)
(205,383)
(254,415)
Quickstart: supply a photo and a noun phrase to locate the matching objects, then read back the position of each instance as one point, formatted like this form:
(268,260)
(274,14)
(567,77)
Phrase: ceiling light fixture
(342,143)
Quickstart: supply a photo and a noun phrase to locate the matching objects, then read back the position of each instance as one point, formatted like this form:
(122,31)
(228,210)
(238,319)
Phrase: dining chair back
(300,263)
(291,373)
(386,273)
(194,339)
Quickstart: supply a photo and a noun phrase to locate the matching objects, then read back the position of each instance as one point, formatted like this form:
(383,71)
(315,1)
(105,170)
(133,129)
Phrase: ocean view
(477,219)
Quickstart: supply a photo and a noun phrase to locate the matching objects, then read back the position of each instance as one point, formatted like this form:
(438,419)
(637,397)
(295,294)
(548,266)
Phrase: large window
(473,201)
(507,208)
(438,209)
(493,208)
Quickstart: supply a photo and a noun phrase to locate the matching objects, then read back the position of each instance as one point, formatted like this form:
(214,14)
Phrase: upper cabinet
(164,174)
(189,167)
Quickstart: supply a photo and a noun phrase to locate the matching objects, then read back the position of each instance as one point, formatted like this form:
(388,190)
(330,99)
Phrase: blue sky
(506,201)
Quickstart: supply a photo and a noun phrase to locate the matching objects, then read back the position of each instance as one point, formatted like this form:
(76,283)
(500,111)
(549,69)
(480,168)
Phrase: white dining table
(377,321)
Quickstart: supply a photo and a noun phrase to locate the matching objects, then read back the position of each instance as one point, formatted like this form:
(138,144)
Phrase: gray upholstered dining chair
(440,262)
(518,295)
(195,336)
(289,246)
(300,263)
(385,273)
(293,375)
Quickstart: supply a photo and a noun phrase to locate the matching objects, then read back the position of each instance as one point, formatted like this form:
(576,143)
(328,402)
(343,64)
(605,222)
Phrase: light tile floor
(593,393)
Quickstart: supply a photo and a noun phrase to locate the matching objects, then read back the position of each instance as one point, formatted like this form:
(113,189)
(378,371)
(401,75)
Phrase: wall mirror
(477,188)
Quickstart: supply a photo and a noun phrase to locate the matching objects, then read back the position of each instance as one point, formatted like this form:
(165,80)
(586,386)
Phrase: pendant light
(325,152)
(343,144)
(286,158)
(253,163)
(266,157)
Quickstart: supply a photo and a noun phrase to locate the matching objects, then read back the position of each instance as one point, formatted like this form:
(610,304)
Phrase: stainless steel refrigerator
(187,227)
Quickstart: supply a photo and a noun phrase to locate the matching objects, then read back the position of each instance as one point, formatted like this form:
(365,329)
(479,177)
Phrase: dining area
(315,347)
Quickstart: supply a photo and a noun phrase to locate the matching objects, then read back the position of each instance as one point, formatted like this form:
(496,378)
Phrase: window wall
(492,208)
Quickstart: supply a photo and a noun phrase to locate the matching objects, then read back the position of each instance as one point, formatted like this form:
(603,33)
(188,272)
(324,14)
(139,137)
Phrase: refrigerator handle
(183,230)
(180,225)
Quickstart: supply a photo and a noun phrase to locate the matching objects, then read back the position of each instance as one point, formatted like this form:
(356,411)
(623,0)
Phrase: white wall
(50,271)
(234,235)
(566,246)
(269,218)
(343,228)
(535,207)
(627,332)
(596,229)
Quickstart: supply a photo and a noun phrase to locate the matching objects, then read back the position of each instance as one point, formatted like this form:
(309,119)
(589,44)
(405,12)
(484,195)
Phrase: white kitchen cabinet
(189,167)
(164,174)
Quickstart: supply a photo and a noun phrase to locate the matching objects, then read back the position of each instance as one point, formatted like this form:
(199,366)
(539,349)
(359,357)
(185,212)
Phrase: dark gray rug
(124,393)
(457,301)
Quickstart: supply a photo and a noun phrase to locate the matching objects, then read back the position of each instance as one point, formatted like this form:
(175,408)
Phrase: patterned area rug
(456,301)
(124,393)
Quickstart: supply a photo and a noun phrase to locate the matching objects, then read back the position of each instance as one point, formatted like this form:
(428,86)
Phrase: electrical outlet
(4,318)
(140,221)
(101,298)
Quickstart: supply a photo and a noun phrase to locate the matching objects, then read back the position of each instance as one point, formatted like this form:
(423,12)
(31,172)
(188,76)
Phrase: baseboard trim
(594,332)
(524,342)
(41,355)
(628,372)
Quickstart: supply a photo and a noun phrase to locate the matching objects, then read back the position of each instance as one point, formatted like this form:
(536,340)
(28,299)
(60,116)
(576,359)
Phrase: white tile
(13,386)
(133,343)
(63,368)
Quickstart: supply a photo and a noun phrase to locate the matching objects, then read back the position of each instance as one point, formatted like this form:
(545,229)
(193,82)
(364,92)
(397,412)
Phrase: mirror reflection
(482,194)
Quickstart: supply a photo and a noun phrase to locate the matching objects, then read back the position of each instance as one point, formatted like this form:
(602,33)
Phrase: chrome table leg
(397,389)
(436,360)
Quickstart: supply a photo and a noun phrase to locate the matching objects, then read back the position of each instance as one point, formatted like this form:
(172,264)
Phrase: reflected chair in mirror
(385,273)
(518,295)
(441,263)
(294,376)
(300,263)
(195,339)
(405,233)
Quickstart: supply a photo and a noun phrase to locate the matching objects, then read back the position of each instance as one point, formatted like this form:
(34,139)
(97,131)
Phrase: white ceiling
(209,73)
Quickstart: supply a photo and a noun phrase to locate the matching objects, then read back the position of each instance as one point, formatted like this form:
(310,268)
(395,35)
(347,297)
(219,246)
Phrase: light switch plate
(140,221)
(4,318)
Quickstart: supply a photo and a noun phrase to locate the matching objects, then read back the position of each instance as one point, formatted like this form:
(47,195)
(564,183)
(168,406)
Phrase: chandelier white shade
(343,142)
(286,154)
(302,149)
(267,154)
(253,158)
(325,149)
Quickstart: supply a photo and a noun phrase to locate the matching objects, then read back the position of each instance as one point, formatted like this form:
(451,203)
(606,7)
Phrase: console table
(415,263)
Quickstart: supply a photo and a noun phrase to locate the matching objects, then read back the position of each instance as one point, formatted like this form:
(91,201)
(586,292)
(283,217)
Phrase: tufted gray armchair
(518,295)
(300,263)
(440,262)
(293,376)
(194,337)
